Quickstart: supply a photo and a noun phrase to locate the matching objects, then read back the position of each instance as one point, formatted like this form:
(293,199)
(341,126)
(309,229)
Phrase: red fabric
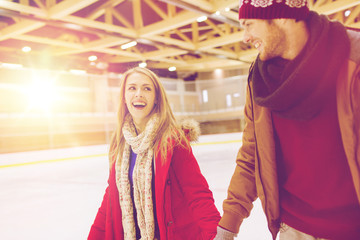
(185,206)
(260,9)
(317,195)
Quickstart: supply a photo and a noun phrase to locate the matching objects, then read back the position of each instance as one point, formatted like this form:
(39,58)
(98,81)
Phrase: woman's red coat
(184,204)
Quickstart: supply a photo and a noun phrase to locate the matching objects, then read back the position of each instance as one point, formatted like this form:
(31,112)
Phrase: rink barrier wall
(52,160)
(101,155)
(83,109)
(40,132)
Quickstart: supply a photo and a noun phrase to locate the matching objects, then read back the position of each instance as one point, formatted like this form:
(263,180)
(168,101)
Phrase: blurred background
(46,109)
(61,61)
(60,68)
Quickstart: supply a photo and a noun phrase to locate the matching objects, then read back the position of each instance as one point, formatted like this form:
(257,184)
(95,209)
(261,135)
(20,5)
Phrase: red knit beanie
(270,9)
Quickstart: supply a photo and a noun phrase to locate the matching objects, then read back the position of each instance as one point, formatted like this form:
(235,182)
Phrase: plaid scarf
(142,145)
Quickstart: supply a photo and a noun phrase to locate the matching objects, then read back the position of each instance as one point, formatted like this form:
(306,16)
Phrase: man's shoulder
(354,37)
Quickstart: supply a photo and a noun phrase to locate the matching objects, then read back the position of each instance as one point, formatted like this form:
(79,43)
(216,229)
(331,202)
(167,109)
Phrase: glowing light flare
(41,92)
(218,73)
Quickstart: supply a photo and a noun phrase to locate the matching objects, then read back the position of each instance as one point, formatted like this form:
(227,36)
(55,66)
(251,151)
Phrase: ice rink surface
(55,194)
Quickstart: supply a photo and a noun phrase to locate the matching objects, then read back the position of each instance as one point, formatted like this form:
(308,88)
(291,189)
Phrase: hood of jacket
(191,129)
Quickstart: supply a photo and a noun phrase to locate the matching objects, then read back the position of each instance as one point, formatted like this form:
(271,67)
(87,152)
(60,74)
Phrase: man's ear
(283,21)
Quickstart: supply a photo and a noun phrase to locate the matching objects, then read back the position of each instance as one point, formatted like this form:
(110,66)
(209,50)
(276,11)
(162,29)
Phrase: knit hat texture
(270,9)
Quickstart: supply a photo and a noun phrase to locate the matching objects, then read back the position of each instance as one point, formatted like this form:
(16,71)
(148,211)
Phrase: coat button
(168,182)
(169,223)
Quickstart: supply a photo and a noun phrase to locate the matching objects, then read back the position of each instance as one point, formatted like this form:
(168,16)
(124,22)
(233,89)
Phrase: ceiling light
(102,65)
(202,18)
(26,49)
(171,69)
(92,58)
(227,9)
(73,26)
(347,13)
(143,64)
(217,13)
(128,45)
(144,41)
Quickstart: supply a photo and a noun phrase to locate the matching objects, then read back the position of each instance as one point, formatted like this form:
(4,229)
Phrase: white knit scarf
(142,145)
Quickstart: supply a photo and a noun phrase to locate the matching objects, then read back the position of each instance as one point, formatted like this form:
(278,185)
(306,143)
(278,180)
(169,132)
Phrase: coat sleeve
(97,230)
(196,191)
(242,189)
(355,88)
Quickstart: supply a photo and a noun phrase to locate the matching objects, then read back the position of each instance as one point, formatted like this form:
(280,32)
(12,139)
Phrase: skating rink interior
(55,194)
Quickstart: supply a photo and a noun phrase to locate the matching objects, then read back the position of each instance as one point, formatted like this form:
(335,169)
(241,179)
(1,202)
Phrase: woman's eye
(148,89)
(131,88)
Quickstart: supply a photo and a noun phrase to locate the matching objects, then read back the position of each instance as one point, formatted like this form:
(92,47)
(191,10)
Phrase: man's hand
(223,234)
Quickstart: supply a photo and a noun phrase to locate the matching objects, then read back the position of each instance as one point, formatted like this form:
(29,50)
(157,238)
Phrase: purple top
(131,171)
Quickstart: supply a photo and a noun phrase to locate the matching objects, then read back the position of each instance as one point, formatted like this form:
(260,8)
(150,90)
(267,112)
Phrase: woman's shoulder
(191,129)
(186,132)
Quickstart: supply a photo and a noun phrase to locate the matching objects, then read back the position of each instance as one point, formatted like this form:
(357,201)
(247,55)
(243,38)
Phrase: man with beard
(301,143)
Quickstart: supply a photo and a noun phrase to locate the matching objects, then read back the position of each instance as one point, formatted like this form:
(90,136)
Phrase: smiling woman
(140,98)
(156,189)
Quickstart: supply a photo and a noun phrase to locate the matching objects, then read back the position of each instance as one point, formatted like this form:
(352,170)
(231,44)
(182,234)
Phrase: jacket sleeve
(97,230)
(196,191)
(355,168)
(242,189)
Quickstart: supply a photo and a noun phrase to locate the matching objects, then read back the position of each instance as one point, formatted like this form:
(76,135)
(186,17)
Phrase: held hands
(223,234)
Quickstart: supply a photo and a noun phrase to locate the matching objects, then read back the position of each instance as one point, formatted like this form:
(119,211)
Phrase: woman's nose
(138,93)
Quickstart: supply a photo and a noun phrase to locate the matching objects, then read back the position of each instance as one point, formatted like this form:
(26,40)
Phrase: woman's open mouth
(139,105)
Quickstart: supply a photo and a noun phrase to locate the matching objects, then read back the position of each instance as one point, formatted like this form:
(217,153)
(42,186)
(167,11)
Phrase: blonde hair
(167,126)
